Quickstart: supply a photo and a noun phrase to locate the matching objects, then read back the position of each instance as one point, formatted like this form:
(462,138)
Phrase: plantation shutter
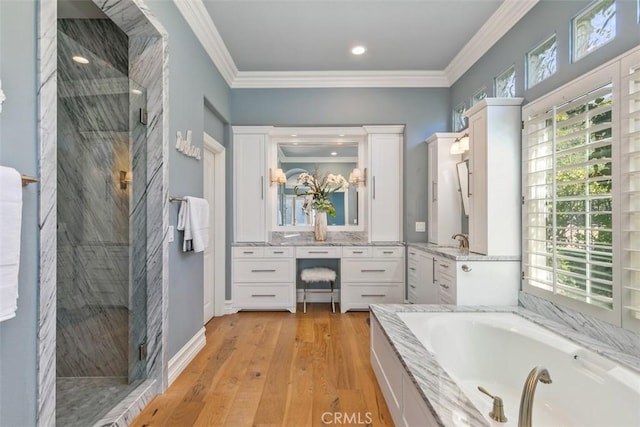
(568,198)
(630,188)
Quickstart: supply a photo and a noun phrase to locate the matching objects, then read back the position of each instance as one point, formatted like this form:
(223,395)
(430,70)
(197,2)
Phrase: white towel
(193,219)
(10,225)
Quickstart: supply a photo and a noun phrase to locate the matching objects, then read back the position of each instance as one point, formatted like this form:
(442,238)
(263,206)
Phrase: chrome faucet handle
(497,414)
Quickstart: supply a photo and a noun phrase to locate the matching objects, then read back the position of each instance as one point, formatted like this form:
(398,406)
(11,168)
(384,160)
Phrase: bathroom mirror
(322,157)
(463,185)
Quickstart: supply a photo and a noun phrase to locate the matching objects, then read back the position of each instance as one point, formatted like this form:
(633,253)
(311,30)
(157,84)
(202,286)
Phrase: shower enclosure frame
(148,64)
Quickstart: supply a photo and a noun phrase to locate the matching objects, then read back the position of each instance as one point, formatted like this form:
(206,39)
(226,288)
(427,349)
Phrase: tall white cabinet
(494,176)
(249,184)
(443,203)
(385,183)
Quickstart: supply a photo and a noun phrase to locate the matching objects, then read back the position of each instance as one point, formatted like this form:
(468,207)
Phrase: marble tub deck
(449,405)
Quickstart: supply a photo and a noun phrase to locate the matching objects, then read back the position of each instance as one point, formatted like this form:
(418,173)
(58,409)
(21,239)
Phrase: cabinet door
(428,287)
(249,188)
(432,200)
(478,182)
(385,187)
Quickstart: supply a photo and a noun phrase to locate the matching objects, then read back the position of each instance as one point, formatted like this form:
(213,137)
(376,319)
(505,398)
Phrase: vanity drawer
(388,251)
(278,252)
(248,252)
(361,270)
(256,296)
(360,296)
(447,290)
(263,270)
(446,267)
(357,252)
(318,252)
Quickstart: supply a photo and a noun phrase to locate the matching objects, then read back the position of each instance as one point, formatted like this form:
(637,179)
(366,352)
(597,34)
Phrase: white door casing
(214,255)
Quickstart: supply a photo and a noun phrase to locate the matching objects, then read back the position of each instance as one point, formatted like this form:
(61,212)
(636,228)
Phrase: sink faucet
(464,240)
(526,401)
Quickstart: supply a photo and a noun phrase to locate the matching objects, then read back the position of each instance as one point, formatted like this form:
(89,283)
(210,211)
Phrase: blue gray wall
(18,149)
(546,18)
(196,91)
(422,111)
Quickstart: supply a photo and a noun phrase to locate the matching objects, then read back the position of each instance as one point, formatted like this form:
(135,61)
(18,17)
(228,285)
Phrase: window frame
(459,112)
(553,36)
(608,73)
(574,31)
(474,97)
(495,81)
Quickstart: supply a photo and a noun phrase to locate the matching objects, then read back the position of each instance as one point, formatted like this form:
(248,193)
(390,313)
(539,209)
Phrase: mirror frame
(315,136)
(462,169)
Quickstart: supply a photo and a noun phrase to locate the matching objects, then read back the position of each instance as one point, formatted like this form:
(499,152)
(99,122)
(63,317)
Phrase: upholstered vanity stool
(318,274)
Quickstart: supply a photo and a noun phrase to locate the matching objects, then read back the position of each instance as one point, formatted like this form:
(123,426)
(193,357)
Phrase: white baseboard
(229,308)
(186,354)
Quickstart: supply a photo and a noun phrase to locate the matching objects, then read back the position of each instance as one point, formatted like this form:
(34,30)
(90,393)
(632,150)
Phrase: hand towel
(10,226)
(193,219)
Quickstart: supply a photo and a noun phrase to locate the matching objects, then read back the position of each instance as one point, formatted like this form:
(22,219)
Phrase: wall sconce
(460,145)
(277,176)
(125,179)
(356,176)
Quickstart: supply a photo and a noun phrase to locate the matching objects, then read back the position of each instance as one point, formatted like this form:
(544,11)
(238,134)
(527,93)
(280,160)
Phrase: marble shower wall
(94,146)
(149,66)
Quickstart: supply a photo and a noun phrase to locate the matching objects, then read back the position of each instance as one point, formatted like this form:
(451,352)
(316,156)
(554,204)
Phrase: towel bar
(27,179)
(177,199)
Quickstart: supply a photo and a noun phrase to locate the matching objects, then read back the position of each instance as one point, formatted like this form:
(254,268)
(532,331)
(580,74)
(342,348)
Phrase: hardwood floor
(277,369)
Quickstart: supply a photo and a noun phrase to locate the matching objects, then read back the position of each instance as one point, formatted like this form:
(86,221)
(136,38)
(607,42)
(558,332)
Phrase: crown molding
(338,79)
(498,24)
(198,18)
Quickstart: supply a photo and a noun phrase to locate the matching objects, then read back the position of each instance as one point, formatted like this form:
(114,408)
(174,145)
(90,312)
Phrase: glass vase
(320,226)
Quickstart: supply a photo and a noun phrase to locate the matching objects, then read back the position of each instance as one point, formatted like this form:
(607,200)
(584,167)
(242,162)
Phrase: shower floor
(80,402)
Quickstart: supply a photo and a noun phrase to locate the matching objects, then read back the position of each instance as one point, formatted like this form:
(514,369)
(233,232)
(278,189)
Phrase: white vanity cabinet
(443,203)
(494,176)
(371,275)
(249,184)
(422,287)
(263,278)
(486,282)
(385,183)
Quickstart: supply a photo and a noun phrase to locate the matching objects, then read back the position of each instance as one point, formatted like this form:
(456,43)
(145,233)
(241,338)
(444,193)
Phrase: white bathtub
(497,351)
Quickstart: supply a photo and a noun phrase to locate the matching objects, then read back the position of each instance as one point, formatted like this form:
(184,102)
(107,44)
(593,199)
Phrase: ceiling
(307,43)
(299,35)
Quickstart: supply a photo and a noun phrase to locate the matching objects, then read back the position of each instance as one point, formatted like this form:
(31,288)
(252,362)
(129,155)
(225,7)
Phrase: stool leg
(304,298)
(333,306)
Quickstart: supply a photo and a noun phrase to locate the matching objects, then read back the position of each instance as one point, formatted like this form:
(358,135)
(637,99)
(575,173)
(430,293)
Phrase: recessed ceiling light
(294,135)
(358,50)
(136,91)
(333,153)
(80,59)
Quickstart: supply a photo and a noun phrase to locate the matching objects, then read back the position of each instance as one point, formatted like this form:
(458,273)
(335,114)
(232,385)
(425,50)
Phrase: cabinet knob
(466,268)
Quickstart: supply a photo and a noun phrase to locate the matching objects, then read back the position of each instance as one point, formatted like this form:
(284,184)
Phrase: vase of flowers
(316,192)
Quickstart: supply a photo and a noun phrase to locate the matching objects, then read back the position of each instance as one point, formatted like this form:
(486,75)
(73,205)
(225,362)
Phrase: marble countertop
(458,254)
(334,238)
(449,404)
(315,243)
